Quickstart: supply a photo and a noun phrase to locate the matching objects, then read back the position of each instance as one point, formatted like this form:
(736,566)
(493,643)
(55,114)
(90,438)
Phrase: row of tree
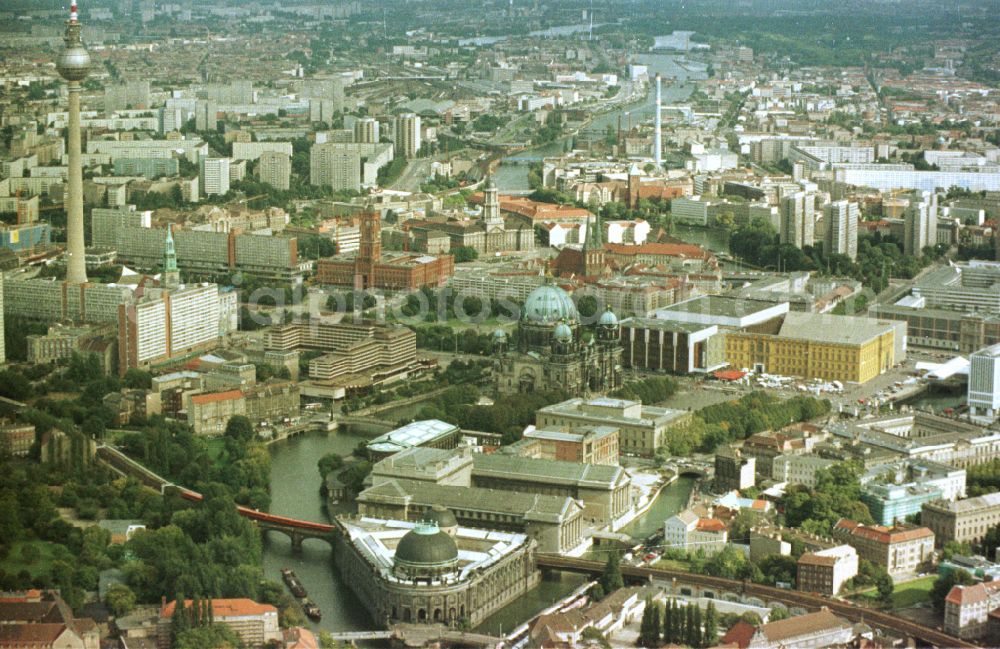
(678,623)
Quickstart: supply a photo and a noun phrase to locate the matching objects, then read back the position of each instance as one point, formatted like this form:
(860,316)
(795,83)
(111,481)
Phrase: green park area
(906,594)
(36,558)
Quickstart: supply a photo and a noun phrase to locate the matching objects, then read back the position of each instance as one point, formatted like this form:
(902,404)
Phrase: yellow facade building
(820,346)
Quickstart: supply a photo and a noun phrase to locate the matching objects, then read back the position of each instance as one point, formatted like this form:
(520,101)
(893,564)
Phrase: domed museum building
(433,571)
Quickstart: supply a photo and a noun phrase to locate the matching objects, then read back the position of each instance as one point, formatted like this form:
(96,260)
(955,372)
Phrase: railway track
(850,611)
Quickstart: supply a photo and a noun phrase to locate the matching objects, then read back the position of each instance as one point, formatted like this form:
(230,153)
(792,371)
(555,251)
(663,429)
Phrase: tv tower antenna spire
(590,32)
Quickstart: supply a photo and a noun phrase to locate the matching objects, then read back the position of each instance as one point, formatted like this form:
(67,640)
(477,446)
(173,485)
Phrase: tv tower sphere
(74,62)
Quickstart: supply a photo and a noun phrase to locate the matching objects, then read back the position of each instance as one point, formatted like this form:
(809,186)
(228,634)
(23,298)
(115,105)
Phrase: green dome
(426,546)
(608,319)
(562,332)
(499,334)
(548,304)
(442,516)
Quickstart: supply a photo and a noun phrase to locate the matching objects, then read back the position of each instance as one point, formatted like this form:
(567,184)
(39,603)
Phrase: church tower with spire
(593,248)
(171,275)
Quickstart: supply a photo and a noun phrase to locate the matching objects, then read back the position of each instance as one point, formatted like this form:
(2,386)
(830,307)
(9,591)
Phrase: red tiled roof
(25,596)
(226,607)
(795,627)
(30,635)
(974,594)
(653,190)
(687,250)
(27,611)
(739,634)
(710,525)
(216,396)
(846,524)
(300,638)
(885,535)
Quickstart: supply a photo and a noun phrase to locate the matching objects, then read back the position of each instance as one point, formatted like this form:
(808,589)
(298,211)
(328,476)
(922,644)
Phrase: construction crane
(247,201)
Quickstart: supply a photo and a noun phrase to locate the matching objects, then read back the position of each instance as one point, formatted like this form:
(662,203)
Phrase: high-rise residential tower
(332,165)
(74,65)
(920,223)
(366,130)
(798,222)
(205,114)
(275,169)
(407,135)
(214,176)
(841,234)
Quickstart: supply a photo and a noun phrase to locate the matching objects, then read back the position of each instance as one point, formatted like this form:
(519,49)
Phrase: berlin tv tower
(73,66)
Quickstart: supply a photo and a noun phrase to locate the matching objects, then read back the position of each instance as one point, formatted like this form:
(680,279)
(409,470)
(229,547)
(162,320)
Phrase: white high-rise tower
(658,135)
(73,66)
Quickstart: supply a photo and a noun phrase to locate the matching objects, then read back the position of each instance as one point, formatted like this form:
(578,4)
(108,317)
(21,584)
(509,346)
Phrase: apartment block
(214,176)
(49,300)
(901,550)
(826,571)
(408,135)
(798,219)
(16,439)
(841,229)
(920,223)
(275,169)
(348,165)
(335,167)
(197,250)
(353,349)
(366,130)
(689,532)
(798,469)
(734,470)
(254,150)
(255,624)
(166,324)
(193,150)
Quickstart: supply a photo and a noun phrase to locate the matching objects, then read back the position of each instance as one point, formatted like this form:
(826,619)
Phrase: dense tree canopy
(837,495)
(879,257)
(736,420)
(943,585)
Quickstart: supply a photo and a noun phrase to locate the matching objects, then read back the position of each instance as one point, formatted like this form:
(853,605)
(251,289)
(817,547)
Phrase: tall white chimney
(657,138)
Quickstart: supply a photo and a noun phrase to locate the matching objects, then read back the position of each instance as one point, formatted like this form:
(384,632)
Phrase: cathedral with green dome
(550,351)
